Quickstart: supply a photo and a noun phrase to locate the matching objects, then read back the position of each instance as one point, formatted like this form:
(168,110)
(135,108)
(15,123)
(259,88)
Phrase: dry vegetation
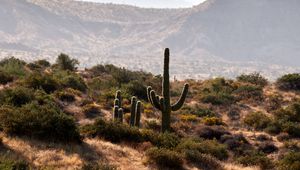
(55,117)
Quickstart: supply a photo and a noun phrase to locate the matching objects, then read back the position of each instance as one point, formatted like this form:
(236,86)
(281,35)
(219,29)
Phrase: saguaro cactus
(117,109)
(163,102)
(118,112)
(135,110)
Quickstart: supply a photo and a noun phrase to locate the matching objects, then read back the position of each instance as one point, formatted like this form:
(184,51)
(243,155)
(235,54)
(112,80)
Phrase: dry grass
(72,156)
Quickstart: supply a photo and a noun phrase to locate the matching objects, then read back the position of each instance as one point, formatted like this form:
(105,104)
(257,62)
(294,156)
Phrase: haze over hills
(215,38)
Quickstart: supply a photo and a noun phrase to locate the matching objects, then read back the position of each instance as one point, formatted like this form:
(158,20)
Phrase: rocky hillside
(218,37)
(53,116)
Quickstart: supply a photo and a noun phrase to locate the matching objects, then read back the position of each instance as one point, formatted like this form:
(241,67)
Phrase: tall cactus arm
(116,113)
(138,114)
(154,99)
(120,115)
(116,102)
(182,98)
(118,96)
(149,88)
(132,110)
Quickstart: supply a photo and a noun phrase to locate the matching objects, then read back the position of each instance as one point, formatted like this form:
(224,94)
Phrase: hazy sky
(155,3)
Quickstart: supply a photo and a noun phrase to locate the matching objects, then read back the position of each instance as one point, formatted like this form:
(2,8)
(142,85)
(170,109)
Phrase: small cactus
(163,102)
(118,112)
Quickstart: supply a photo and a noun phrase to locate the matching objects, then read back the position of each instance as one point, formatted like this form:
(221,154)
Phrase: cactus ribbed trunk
(163,103)
(166,112)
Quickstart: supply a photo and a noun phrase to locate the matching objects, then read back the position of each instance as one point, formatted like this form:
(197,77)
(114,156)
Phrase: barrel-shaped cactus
(163,102)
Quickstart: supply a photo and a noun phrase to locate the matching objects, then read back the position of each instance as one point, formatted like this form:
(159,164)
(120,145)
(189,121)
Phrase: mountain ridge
(245,36)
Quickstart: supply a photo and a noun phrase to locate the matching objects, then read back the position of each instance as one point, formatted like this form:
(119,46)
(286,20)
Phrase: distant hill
(215,38)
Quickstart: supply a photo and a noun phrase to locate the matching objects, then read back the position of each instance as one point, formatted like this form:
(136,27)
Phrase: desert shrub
(197,110)
(289,82)
(16,96)
(5,78)
(211,121)
(274,102)
(257,120)
(152,124)
(256,159)
(64,62)
(91,110)
(283,137)
(41,81)
(234,113)
(46,122)
(137,88)
(267,147)
(203,161)
(287,119)
(165,140)
(13,67)
(34,67)
(245,92)
(113,131)
(274,127)
(290,161)
(211,147)
(237,143)
(65,96)
(10,164)
(253,78)
(188,118)
(165,158)
(98,166)
(218,92)
(263,137)
(74,82)
(211,132)
(218,99)
(43,63)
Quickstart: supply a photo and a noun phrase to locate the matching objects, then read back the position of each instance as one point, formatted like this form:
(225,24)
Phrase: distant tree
(64,62)
(289,82)
(253,78)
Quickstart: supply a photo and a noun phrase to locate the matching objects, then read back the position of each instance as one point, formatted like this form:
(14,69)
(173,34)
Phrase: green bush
(43,63)
(288,119)
(211,147)
(290,161)
(256,159)
(245,92)
(5,78)
(289,82)
(74,81)
(257,120)
(46,122)
(113,131)
(10,164)
(64,62)
(165,158)
(253,78)
(13,67)
(203,161)
(218,92)
(197,110)
(65,96)
(218,99)
(17,96)
(41,81)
